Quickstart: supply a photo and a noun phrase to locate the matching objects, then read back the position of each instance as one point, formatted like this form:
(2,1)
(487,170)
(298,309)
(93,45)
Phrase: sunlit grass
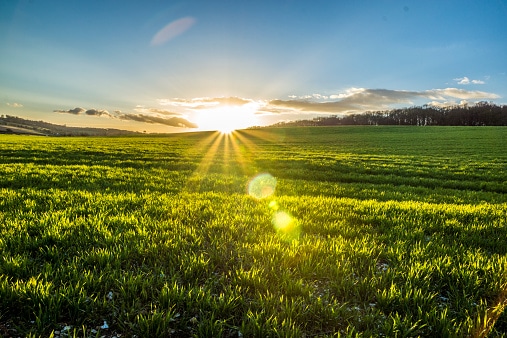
(293,232)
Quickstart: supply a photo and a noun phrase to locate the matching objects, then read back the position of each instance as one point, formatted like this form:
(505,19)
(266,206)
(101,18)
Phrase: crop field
(284,232)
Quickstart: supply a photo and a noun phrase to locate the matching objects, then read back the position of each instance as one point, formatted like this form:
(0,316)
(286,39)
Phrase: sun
(227,129)
(226,119)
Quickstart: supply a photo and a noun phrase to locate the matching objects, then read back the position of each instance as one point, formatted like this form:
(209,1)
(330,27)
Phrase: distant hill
(17,125)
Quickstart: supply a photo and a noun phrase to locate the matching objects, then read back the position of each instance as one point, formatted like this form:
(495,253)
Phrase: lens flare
(273,205)
(286,226)
(262,186)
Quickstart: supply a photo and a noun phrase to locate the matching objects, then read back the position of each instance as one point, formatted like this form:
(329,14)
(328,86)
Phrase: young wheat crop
(346,231)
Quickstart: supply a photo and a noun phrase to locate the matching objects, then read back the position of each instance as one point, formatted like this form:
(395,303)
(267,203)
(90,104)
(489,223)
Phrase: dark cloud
(164,117)
(97,112)
(75,111)
(171,121)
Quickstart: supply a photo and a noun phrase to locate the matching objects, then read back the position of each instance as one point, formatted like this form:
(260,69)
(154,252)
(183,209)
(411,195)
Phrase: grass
(351,232)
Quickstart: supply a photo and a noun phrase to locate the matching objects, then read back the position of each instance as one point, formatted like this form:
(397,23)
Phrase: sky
(179,66)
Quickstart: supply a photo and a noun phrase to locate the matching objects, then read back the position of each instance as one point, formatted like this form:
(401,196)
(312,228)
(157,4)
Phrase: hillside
(17,125)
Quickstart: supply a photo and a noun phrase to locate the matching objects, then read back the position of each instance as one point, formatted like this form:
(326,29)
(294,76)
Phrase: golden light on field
(209,147)
(228,152)
(220,151)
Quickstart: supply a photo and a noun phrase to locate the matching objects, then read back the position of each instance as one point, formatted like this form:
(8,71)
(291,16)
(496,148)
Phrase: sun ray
(244,148)
(226,158)
(209,147)
(227,154)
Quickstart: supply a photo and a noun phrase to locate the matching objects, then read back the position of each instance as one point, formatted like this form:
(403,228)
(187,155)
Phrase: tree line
(479,114)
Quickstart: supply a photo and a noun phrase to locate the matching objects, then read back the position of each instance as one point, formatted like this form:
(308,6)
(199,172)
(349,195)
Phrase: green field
(303,232)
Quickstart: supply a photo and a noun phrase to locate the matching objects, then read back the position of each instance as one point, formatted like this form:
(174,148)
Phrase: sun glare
(226,129)
(227,119)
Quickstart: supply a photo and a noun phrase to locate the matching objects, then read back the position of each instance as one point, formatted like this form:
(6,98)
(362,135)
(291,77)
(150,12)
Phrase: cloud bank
(144,115)
(360,99)
(211,112)
(352,100)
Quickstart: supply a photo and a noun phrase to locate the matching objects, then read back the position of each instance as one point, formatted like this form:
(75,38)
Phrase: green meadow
(284,232)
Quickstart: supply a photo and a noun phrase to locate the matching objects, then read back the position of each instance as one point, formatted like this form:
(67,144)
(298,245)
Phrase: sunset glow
(226,119)
(197,65)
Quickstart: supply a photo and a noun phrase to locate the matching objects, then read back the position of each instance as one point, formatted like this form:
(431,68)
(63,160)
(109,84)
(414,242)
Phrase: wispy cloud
(465,81)
(144,110)
(14,105)
(460,94)
(168,121)
(308,97)
(205,102)
(172,30)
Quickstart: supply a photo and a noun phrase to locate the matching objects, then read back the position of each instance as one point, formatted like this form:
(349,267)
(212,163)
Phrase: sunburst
(226,119)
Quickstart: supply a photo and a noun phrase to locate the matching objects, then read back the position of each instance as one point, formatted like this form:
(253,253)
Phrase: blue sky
(168,66)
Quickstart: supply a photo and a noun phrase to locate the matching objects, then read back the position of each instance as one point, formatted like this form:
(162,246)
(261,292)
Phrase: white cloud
(465,81)
(448,103)
(462,80)
(14,105)
(347,93)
